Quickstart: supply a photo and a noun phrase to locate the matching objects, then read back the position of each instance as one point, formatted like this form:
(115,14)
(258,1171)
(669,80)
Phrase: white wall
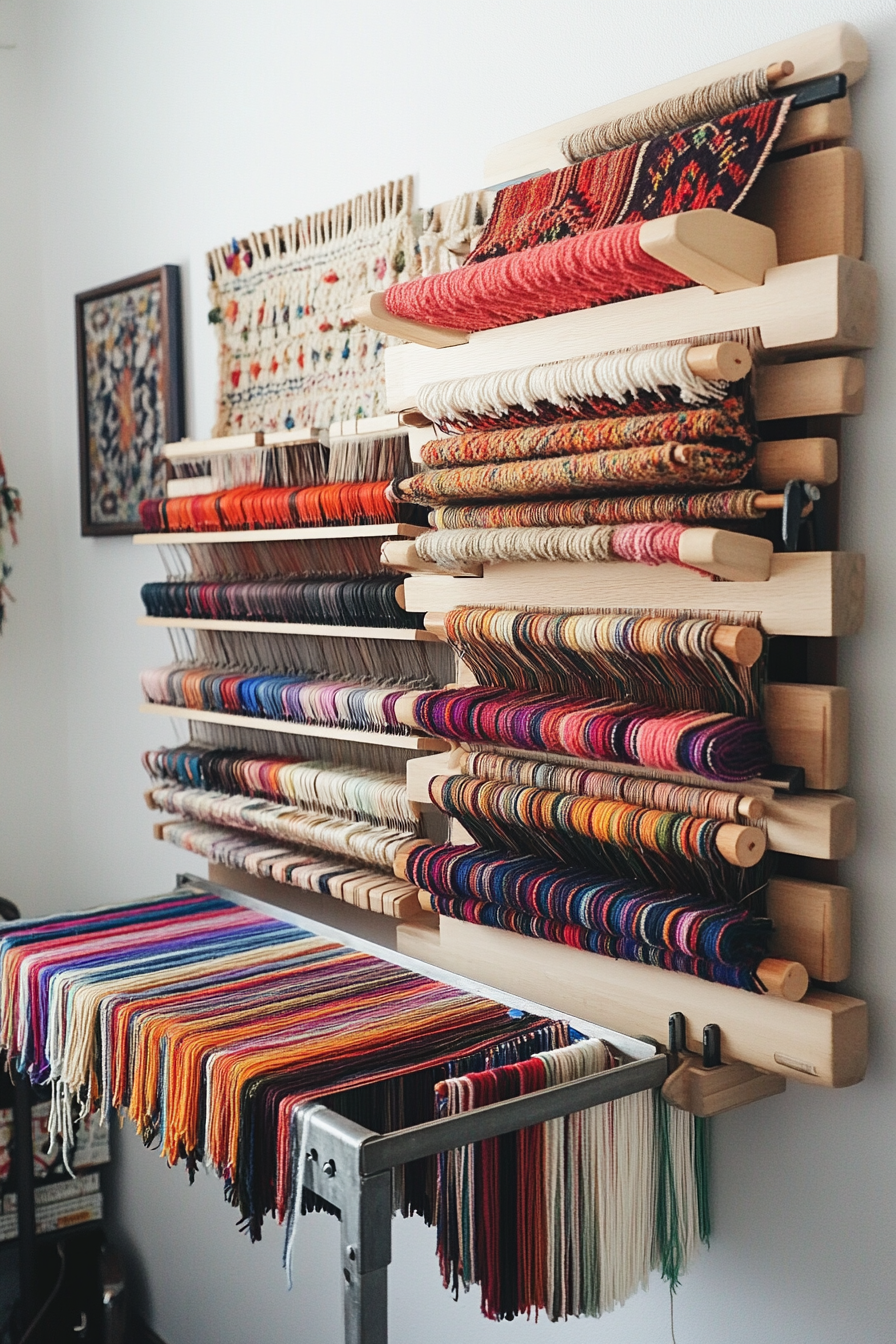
(135,135)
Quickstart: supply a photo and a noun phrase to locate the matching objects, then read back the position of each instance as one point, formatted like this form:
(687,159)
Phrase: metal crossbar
(351,1167)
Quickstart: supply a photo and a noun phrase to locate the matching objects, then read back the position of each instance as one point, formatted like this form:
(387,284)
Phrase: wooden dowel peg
(414,419)
(425,900)
(779,70)
(735,556)
(742,846)
(750,808)
(784,979)
(399,596)
(726,360)
(404,708)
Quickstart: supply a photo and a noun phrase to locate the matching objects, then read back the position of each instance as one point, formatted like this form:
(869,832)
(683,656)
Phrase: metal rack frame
(351,1167)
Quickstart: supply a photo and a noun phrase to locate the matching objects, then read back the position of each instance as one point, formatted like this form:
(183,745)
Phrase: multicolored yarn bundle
(288,352)
(606,511)
(702,424)
(254,506)
(628,382)
(340,791)
(507,1234)
(212,1026)
(713,100)
(670,849)
(643,543)
(376,846)
(658,660)
(718,746)
(370,601)
(709,166)
(664,466)
(719,804)
(578,272)
(611,916)
(293,698)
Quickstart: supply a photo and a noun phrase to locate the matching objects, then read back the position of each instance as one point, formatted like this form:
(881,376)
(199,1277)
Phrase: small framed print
(130,395)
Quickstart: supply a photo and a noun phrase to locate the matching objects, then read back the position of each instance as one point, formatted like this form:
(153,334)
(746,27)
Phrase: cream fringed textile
(714,100)
(451,231)
(290,352)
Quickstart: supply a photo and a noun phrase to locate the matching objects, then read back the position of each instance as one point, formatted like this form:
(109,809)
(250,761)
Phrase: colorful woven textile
(710,166)
(580,272)
(671,465)
(705,424)
(369,601)
(289,351)
(713,941)
(702,508)
(248,507)
(658,660)
(719,746)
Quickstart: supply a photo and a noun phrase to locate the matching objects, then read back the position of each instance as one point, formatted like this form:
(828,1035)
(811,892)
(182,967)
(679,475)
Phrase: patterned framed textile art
(130,395)
(289,351)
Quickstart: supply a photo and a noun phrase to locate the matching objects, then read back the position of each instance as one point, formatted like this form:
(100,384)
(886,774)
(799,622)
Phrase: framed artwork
(130,395)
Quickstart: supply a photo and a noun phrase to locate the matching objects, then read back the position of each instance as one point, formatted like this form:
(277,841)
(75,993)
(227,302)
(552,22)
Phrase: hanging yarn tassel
(582,272)
(718,746)
(719,804)
(658,660)
(669,465)
(251,507)
(628,382)
(579,513)
(538,897)
(342,791)
(356,602)
(712,100)
(705,424)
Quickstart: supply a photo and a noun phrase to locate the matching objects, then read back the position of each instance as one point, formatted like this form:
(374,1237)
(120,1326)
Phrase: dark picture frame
(130,395)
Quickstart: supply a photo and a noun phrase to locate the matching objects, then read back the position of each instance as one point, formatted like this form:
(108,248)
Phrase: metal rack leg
(366,1252)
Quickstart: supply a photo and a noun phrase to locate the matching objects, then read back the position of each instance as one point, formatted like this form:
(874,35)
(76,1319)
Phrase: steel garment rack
(351,1167)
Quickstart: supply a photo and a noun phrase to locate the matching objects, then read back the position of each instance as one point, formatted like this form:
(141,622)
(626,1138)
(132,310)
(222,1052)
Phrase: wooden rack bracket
(372,312)
(821,1040)
(823,305)
(781,460)
(816,593)
(812,925)
(815,204)
(711,247)
(808,726)
(821,124)
(707,1092)
(812,387)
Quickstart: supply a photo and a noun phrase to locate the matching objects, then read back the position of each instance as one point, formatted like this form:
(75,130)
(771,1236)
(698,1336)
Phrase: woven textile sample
(289,350)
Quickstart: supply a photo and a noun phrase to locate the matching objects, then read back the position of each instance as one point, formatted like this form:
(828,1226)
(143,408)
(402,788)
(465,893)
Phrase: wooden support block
(419,938)
(781,460)
(708,1092)
(821,1040)
(819,593)
(812,925)
(814,203)
(824,305)
(820,124)
(712,248)
(734,556)
(813,387)
(814,825)
(808,726)
(831,49)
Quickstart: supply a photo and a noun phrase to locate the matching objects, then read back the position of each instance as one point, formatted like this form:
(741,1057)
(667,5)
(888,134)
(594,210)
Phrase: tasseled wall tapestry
(289,350)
